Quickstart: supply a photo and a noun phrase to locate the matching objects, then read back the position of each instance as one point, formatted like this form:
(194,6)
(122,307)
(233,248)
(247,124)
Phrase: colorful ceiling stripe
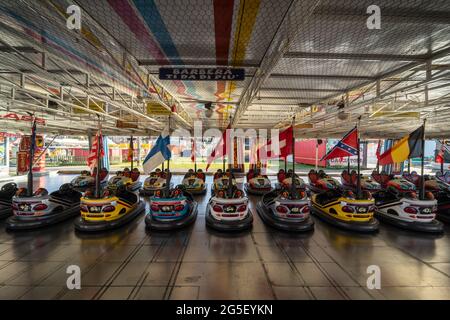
(246,18)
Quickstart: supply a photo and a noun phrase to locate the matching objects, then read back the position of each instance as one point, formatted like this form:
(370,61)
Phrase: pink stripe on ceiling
(126,12)
(223,19)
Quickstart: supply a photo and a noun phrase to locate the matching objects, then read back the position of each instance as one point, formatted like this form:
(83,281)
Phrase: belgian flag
(408,147)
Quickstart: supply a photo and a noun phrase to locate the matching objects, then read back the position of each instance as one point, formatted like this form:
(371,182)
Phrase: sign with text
(202,74)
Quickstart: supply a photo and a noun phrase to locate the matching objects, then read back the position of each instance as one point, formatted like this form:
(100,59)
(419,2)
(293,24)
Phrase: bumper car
(87,180)
(342,209)
(110,211)
(285,180)
(194,182)
(320,182)
(6,194)
(398,204)
(440,190)
(155,181)
(221,181)
(444,177)
(128,179)
(43,209)
(228,210)
(349,182)
(175,210)
(286,210)
(257,183)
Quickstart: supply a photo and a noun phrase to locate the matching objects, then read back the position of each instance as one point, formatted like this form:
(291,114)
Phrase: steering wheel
(66,187)
(9,187)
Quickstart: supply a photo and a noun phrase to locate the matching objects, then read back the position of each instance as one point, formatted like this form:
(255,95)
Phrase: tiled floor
(196,263)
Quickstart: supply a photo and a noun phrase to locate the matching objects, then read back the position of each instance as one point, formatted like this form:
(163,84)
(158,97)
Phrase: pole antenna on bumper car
(31,155)
(293,187)
(97,173)
(422,179)
(358,181)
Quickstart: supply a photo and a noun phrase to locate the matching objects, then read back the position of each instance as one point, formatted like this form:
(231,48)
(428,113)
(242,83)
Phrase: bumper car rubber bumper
(227,225)
(14,223)
(90,226)
(158,225)
(256,191)
(5,213)
(197,192)
(428,227)
(282,224)
(363,227)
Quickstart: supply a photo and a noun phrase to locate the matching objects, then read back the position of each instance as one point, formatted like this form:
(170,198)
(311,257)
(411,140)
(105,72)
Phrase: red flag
(440,155)
(97,146)
(193,150)
(285,138)
(378,152)
(131,150)
(220,150)
(346,147)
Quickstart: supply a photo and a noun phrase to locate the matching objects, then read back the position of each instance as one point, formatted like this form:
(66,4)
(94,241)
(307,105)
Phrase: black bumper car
(286,211)
(43,209)
(6,194)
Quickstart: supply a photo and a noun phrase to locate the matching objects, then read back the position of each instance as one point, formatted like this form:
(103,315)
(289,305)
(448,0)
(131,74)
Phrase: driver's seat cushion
(313,176)
(135,175)
(281,176)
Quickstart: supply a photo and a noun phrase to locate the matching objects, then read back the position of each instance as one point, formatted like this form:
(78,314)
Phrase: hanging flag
(131,150)
(193,150)
(377,153)
(220,150)
(346,147)
(440,155)
(285,138)
(97,146)
(406,148)
(159,153)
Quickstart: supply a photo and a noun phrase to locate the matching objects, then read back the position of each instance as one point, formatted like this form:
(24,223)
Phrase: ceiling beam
(319,76)
(354,56)
(301,90)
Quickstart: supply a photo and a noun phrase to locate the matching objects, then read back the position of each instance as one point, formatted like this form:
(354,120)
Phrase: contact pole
(97,173)
(132,151)
(293,158)
(31,157)
(422,178)
(358,181)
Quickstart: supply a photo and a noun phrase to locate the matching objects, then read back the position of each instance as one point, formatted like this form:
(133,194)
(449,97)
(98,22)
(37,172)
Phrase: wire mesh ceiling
(315,59)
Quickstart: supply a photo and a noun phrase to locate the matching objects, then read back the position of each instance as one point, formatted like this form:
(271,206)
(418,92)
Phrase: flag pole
(97,173)
(31,157)
(132,151)
(293,159)
(443,156)
(422,178)
(168,176)
(358,181)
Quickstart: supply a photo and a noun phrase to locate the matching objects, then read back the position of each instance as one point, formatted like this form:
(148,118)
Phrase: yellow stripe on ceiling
(247,14)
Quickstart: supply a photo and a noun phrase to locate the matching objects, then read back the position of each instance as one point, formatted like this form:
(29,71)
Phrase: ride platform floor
(196,263)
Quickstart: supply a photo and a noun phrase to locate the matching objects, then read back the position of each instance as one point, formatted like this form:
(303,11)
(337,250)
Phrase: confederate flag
(346,147)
